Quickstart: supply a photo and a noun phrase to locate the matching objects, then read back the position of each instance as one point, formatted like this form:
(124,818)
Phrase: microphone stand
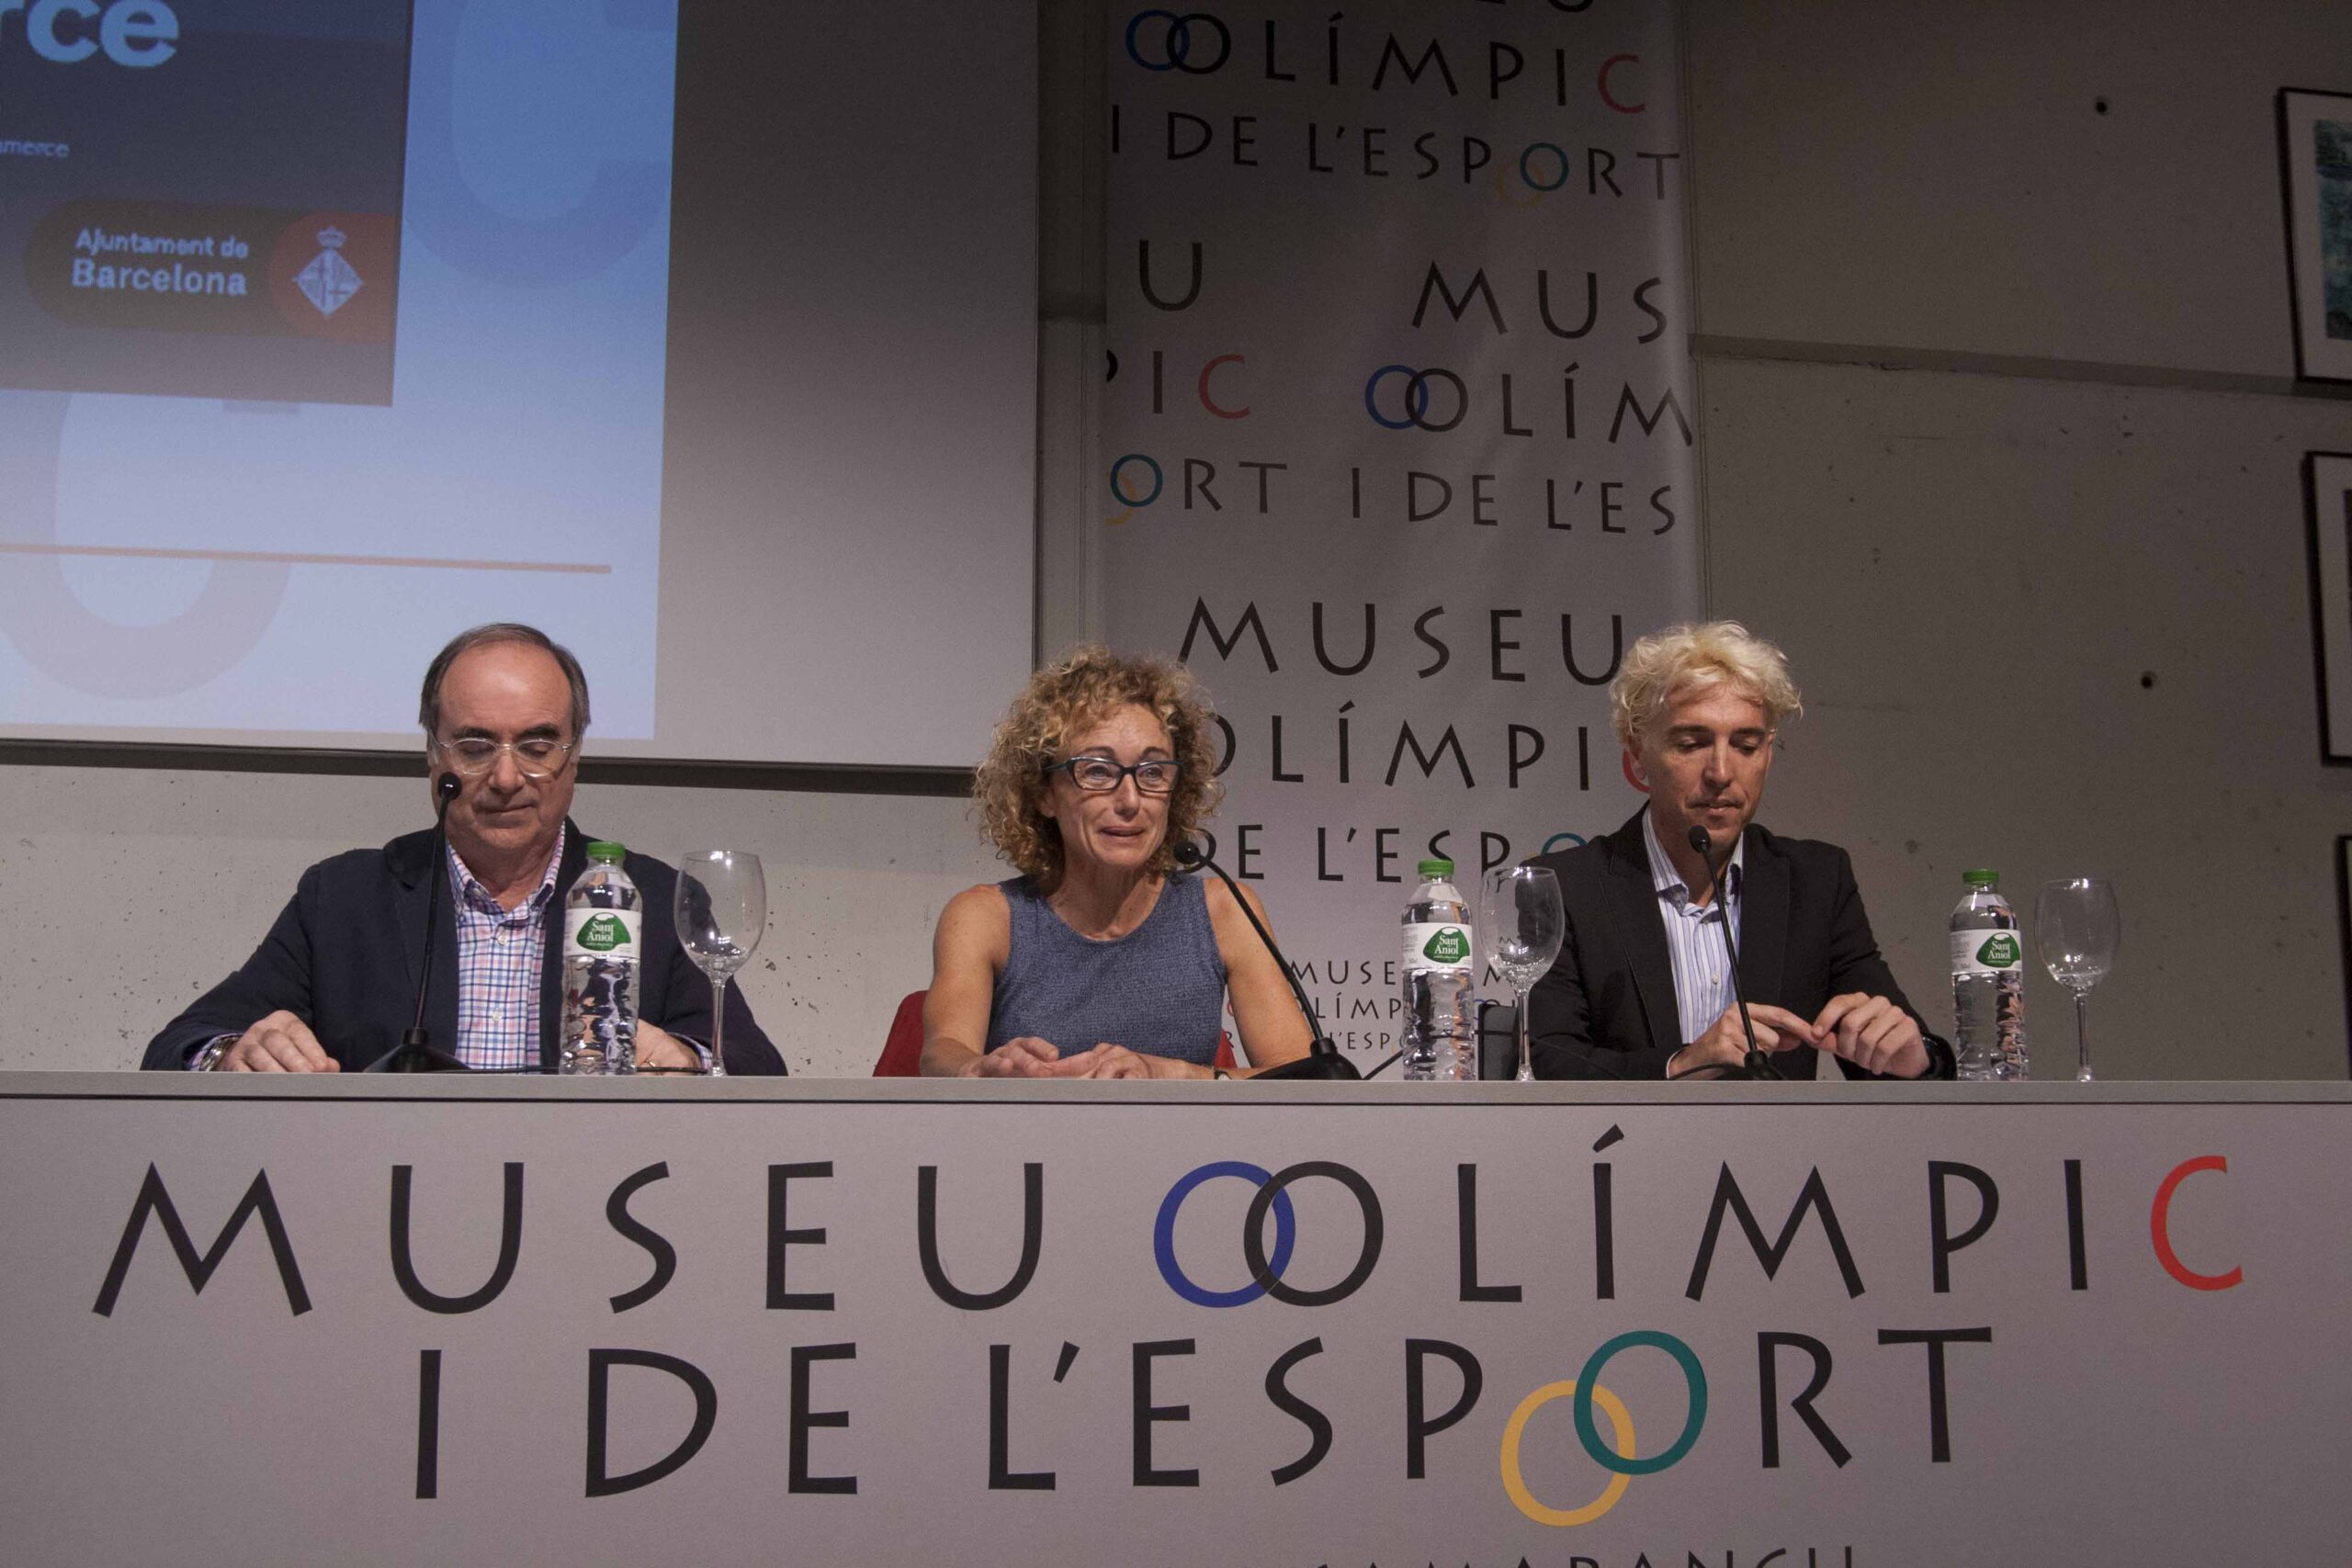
(1755,1065)
(1323,1061)
(417,1053)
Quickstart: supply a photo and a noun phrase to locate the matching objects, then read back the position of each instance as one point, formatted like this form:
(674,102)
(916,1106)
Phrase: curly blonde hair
(1075,693)
(1664,664)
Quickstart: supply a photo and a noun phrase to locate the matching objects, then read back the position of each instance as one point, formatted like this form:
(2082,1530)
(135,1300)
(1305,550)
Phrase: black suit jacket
(1605,1008)
(344,954)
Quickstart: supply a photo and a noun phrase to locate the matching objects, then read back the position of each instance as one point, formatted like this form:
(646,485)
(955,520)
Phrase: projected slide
(326,330)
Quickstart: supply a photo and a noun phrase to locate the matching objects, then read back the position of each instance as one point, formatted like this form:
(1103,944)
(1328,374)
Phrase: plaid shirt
(501,956)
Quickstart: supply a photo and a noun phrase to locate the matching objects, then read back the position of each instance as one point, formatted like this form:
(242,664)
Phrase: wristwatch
(1942,1065)
(209,1058)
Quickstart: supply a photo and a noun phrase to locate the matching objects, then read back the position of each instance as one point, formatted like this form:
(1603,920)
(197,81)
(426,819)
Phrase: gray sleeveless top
(1159,989)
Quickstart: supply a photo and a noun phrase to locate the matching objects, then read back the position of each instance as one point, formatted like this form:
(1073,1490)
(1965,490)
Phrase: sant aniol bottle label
(1436,945)
(1986,952)
(601,933)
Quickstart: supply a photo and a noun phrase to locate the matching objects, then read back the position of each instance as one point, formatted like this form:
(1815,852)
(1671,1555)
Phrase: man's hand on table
(1873,1033)
(1726,1043)
(658,1048)
(278,1044)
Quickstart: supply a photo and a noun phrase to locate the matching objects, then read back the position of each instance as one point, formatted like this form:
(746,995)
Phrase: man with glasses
(332,987)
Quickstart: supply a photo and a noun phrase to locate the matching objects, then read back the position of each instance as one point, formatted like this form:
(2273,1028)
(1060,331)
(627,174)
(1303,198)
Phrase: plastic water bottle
(1987,983)
(601,933)
(1440,1010)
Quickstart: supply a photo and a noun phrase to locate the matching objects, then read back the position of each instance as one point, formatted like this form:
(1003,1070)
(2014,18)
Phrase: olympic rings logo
(1619,1460)
(1417,398)
(1589,1398)
(1273,1198)
(1176,48)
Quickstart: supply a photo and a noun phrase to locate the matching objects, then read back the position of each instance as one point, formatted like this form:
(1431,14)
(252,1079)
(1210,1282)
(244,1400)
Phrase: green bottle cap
(1435,868)
(604,850)
(1984,876)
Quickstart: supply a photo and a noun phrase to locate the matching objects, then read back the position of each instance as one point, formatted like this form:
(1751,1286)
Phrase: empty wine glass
(722,911)
(2079,929)
(1524,923)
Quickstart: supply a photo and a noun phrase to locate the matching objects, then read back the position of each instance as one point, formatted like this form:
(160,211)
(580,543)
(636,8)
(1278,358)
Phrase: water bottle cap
(1981,877)
(1436,868)
(606,851)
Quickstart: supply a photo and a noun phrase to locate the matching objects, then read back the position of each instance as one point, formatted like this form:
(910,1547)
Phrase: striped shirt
(501,956)
(1694,938)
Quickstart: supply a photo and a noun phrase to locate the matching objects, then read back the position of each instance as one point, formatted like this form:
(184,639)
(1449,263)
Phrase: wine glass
(2078,929)
(1524,923)
(722,911)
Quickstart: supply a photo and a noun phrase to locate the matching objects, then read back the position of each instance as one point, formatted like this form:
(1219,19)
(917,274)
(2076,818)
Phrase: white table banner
(374,1322)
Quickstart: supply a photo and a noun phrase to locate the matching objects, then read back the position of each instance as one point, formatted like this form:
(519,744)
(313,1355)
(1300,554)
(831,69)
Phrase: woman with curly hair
(1100,960)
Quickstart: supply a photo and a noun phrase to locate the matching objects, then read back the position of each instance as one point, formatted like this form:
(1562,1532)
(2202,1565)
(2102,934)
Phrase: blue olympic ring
(1163,1234)
(1419,385)
(1576,840)
(1158,480)
(1180,42)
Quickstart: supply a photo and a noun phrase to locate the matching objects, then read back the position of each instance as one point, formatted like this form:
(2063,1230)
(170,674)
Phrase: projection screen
(701,337)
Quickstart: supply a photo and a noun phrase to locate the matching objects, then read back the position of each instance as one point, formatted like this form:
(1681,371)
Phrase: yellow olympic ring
(1122,517)
(1502,191)
(1620,1421)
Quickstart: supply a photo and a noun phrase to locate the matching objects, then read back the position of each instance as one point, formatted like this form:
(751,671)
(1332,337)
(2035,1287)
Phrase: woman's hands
(1030,1057)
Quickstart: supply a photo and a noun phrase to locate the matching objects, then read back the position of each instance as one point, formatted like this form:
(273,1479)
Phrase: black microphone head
(1323,1065)
(446,787)
(1701,841)
(1188,854)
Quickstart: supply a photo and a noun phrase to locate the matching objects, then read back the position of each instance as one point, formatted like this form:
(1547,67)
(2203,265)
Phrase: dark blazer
(344,954)
(1605,1008)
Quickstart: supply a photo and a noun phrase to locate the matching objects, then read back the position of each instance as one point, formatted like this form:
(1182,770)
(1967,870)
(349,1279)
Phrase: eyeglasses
(1099,775)
(533,759)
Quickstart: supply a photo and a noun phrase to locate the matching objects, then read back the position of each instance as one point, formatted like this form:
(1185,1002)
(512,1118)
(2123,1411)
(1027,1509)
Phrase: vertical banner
(1396,441)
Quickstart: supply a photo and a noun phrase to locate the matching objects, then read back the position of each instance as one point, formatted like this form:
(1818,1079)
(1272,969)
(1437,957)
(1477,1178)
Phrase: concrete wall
(1997,424)
(2001,442)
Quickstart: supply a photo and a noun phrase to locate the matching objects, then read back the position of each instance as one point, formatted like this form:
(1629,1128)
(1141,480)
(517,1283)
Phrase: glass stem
(1526,1072)
(2082,1036)
(718,1023)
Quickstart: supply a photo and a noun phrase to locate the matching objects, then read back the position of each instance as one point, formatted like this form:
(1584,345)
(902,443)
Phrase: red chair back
(902,1052)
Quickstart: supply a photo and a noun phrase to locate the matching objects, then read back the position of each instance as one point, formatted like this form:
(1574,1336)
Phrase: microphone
(1756,1065)
(417,1053)
(1323,1061)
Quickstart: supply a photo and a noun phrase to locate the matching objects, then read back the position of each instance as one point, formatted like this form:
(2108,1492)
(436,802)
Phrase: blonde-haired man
(1643,987)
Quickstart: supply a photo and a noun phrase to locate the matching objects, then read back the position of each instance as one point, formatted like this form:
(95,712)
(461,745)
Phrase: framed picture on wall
(2344,924)
(2315,147)
(2327,490)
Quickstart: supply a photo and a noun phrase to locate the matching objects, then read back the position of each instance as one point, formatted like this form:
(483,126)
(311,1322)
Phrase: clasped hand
(1870,1031)
(1030,1057)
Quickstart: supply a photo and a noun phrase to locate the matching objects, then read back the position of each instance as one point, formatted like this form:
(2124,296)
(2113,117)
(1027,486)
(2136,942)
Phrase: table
(491,1320)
